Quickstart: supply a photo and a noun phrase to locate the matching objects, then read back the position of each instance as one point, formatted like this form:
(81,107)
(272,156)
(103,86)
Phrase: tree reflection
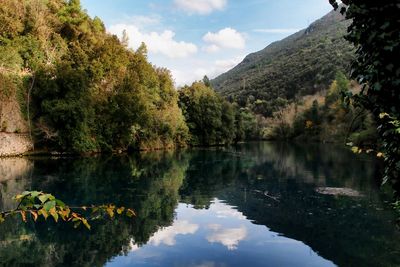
(271,184)
(148,183)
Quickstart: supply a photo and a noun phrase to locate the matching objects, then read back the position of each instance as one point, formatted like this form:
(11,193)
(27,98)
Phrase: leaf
(1,218)
(383,115)
(44,213)
(64,213)
(23,215)
(34,215)
(19,197)
(54,213)
(25,193)
(110,212)
(60,203)
(130,213)
(49,205)
(120,210)
(85,223)
(380,155)
(43,198)
(35,194)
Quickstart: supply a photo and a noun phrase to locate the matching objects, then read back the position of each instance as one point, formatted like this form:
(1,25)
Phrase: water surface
(259,204)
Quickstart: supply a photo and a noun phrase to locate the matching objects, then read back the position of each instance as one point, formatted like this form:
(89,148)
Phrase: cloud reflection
(229,237)
(167,235)
(225,211)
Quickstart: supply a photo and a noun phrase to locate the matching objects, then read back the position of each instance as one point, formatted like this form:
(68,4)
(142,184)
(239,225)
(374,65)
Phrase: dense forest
(83,90)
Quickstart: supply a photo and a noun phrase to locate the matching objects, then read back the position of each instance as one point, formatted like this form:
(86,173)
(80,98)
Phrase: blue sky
(194,38)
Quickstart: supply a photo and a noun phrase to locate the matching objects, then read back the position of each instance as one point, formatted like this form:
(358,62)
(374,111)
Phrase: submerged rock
(338,191)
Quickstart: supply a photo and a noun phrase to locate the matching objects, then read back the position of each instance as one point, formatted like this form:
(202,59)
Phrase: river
(256,204)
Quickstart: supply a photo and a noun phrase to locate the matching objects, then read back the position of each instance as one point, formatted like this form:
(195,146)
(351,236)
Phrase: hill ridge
(302,63)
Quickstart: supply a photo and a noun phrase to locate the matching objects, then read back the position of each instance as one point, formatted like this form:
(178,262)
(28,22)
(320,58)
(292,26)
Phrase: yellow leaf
(44,213)
(383,115)
(130,213)
(23,215)
(64,213)
(85,222)
(110,212)
(380,155)
(19,197)
(54,213)
(34,215)
(120,210)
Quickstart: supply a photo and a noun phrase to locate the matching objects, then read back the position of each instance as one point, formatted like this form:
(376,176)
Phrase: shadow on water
(271,184)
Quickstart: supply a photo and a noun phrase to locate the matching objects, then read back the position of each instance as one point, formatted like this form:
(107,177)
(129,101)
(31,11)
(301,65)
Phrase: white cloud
(167,235)
(202,7)
(280,31)
(211,48)
(225,38)
(157,42)
(183,77)
(230,237)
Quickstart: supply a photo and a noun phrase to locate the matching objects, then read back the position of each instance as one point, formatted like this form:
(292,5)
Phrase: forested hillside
(81,89)
(85,90)
(303,63)
(328,116)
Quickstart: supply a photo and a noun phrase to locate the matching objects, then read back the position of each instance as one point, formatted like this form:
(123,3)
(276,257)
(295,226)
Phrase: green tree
(375,30)
(90,92)
(211,119)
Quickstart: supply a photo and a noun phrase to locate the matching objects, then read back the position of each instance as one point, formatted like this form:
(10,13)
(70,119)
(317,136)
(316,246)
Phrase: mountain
(303,63)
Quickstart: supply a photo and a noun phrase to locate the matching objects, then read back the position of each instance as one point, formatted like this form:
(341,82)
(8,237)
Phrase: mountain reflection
(217,207)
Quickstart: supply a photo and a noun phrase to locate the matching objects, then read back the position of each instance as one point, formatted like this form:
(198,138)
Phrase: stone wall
(11,119)
(12,144)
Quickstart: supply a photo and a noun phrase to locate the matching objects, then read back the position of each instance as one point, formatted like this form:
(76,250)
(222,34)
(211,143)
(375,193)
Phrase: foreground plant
(38,204)
(374,30)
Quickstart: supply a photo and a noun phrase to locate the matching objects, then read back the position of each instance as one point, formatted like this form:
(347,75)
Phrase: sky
(194,38)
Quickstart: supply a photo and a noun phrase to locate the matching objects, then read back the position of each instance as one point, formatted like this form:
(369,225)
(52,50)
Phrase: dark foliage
(375,31)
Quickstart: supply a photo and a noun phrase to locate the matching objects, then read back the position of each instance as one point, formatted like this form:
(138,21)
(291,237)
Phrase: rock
(338,191)
(13,144)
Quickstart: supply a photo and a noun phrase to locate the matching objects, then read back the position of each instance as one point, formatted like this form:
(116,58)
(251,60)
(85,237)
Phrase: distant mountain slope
(302,63)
